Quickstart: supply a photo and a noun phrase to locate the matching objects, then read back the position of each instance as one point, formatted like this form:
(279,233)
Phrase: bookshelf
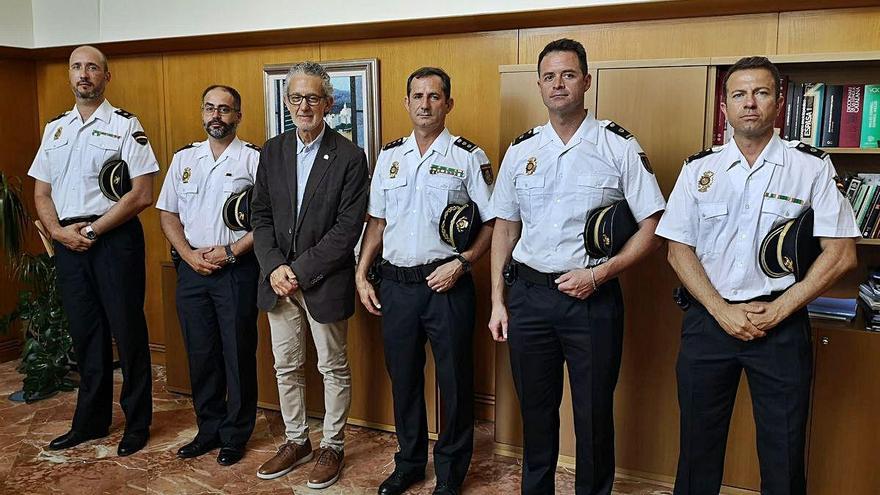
(852,151)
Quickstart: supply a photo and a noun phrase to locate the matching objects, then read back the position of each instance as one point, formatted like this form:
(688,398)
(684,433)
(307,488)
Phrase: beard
(91,92)
(221,131)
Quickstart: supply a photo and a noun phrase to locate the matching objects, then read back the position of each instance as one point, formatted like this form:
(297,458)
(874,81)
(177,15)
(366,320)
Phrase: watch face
(91,235)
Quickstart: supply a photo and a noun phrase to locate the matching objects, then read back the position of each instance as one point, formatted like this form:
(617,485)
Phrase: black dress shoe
(132,442)
(197,448)
(399,481)
(71,439)
(444,488)
(229,455)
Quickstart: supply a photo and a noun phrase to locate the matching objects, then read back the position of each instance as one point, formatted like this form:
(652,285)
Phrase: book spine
(831,116)
(818,93)
(720,121)
(866,206)
(779,124)
(871,117)
(871,217)
(808,104)
(853,188)
(789,111)
(798,102)
(851,116)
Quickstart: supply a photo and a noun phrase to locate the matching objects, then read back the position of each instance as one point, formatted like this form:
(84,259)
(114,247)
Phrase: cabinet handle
(825,340)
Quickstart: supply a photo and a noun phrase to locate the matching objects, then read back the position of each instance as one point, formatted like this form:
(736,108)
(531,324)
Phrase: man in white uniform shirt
(216,277)
(99,246)
(725,202)
(565,307)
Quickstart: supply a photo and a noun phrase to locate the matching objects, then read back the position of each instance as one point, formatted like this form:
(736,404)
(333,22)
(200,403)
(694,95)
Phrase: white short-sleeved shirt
(197,186)
(410,192)
(72,153)
(724,209)
(550,187)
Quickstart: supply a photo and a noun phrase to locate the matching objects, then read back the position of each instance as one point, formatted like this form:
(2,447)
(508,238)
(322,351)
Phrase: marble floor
(93,468)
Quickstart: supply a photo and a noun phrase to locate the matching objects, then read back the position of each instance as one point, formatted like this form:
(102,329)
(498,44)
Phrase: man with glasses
(216,277)
(308,209)
(99,247)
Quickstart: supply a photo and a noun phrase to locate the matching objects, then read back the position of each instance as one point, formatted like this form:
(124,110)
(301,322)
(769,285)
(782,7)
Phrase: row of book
(869,301)
(818,114)
(863,192)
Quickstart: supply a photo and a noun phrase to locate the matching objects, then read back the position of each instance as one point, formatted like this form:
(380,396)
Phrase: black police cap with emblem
(790,248)
(608,228)
(237,210)
(113,179)
(459,225)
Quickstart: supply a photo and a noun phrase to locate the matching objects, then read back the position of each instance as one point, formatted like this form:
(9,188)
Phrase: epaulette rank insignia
(185,147)
(810,150)
(53,119)
(394,144)
(526,135)
(699,154)
(124,113)
(465,144)
(253,147)
(620,131)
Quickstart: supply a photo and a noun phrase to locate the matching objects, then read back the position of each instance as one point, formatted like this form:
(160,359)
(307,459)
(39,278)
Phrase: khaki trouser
(288,320)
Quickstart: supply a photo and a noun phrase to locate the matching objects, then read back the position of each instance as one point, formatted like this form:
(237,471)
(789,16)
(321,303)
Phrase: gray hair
(309,68)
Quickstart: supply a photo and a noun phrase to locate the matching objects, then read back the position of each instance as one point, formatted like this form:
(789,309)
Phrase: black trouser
(102,291)
(218,318)
(778,368)
(412,313)
(547,329)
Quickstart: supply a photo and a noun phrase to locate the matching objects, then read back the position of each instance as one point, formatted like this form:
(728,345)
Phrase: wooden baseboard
(10,350)
(484,407)
(157,353)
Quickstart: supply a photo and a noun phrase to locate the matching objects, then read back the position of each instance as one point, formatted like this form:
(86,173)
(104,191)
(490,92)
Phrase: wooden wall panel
(844,30)
(472,62)
(674,38)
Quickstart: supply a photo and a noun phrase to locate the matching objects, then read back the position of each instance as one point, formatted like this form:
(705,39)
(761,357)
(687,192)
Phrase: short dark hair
(236,97)
(747,63)
(565,45)
(446,83)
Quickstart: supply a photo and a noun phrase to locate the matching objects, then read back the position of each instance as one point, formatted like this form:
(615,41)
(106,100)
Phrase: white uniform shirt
(410,192)
(72,153)
(197,186)
(724,209)
(550,187)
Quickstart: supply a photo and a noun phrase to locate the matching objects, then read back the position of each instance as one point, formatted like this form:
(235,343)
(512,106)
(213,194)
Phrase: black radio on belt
(509,273)
(681,297)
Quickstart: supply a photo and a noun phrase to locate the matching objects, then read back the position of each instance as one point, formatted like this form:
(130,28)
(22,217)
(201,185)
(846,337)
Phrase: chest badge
(531,165)
(705,181)
(392,172)
(187,173)
(57,134)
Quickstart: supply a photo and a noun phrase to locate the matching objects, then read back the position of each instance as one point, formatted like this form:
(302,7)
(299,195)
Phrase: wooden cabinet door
(845,424)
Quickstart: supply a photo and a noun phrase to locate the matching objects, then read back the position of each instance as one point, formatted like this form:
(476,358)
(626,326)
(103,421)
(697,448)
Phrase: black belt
(684,299)
(73,220)
(522,271)
(410,274)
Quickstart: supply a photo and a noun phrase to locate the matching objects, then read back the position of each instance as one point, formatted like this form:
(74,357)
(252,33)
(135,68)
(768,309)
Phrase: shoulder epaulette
(465,144)
(620,131)
(124,113)
(186,147)
(699,154)
(53,119)
(811,150)
(526,135)
(253,147)
(394,144)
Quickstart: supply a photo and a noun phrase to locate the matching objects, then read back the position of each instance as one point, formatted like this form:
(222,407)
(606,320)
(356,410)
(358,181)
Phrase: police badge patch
(187,173)
(140,137)
(392,172)
(645,162)
(705,181)
(488,176)
(531,165)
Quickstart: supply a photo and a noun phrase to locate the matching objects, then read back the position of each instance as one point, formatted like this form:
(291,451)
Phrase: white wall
(67,22)
(16,23)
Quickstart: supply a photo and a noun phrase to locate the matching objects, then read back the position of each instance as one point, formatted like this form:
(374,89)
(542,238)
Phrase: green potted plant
(45,357)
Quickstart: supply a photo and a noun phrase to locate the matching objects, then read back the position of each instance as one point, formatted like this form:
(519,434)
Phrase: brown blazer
(317,242)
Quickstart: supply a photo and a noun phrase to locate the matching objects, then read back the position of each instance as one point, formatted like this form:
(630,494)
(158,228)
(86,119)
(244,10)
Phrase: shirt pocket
(775,211)
(530,195)
(233,185)
(101,150)
(595,190)
(394,191)
(56,156)
(187,193)
(442,191)
(713,222)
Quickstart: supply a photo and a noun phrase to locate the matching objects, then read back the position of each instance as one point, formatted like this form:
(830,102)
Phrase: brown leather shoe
(327,468)
(289,456)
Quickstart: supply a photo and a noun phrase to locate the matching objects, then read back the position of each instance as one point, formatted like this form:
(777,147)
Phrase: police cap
(790,248)
(608,228)
(459,225)
(237,210)
(113,179)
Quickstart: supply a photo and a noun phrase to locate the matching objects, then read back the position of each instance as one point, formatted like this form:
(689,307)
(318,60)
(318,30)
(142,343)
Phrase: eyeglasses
(209,109)
(311,100)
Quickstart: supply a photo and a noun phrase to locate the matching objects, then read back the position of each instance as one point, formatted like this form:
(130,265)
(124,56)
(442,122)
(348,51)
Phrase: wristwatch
(230,258)
(90,233)
(465,264)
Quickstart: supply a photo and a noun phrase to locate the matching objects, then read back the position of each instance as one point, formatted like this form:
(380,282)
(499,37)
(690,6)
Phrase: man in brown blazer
(308,209)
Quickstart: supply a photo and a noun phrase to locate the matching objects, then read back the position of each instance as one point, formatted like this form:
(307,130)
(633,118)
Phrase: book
(871,217)
(852,189)
(871,117)
(851,116)
(720,122)
(779,123)
(860,197)
(830,135)
(811,118)
(798,104)
(789,111)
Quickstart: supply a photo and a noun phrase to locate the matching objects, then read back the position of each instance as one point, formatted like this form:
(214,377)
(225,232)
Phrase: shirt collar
(772,153)
(103,113)
(308,148)
(589,130)
(231,151)
(440,145)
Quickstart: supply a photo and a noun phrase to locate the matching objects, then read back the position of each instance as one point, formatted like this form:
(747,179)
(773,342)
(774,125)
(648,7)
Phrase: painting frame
(362,75)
